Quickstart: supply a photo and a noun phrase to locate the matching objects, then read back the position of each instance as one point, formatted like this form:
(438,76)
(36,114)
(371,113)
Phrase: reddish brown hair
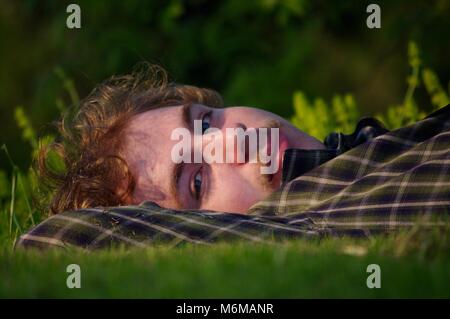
(89,142)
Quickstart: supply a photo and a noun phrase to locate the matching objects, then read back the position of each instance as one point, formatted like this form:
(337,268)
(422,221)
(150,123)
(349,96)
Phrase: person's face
(225,187)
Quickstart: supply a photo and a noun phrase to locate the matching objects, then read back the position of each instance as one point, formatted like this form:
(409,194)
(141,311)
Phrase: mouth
(275,178)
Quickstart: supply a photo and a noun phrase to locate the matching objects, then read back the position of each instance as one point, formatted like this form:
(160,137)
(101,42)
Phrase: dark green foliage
(318,118)
(256,52)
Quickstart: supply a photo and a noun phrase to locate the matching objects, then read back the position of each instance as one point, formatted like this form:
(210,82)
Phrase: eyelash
(208,114)
(198,188)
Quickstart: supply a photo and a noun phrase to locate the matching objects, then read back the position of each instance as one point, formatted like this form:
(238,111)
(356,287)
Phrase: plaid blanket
(391,182)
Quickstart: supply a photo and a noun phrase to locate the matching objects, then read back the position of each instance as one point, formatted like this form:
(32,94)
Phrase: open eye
(198,184)
(206,122)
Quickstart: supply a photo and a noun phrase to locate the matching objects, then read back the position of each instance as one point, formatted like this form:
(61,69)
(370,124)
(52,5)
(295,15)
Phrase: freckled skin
(228,187)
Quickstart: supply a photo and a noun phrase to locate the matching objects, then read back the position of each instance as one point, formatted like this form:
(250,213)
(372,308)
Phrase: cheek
(233,193)
(249,116)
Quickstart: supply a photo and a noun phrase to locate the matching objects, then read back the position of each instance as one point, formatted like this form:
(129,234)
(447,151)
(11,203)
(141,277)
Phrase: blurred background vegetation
(315,62)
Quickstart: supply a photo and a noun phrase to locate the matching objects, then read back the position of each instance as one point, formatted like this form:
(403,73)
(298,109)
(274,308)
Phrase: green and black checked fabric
(388,183)
(149,224)
(393,181)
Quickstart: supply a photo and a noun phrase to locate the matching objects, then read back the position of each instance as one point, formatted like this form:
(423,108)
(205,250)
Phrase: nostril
(241,144)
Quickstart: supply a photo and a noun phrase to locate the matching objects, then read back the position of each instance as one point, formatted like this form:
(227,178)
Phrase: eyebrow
(174,185)
(186,115)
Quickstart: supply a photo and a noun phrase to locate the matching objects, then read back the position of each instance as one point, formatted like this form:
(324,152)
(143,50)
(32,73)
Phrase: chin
(299,139)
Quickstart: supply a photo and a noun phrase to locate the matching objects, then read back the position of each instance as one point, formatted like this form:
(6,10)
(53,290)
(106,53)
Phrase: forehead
(148,130)
(147,147)
(153,119)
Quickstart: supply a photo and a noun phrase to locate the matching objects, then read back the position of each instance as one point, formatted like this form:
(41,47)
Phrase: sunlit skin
(224,187)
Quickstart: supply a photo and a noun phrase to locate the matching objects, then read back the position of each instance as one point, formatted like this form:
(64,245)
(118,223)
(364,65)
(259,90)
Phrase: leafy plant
(319,118)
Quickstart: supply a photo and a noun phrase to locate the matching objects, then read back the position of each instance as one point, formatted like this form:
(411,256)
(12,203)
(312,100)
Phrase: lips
(283,145)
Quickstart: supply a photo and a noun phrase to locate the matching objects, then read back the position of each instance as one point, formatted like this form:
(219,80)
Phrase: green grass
(295,269)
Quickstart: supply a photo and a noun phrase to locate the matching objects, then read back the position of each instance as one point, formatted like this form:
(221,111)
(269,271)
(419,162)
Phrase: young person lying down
(148,162)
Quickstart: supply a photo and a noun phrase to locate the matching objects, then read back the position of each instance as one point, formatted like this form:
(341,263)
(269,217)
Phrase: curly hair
(89,141)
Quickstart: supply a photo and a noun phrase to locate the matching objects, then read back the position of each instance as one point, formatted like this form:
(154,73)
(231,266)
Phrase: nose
(226,145)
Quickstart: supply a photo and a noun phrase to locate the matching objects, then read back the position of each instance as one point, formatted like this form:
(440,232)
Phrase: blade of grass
(13,199)
(22,185)
(16,175)
(68,85)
